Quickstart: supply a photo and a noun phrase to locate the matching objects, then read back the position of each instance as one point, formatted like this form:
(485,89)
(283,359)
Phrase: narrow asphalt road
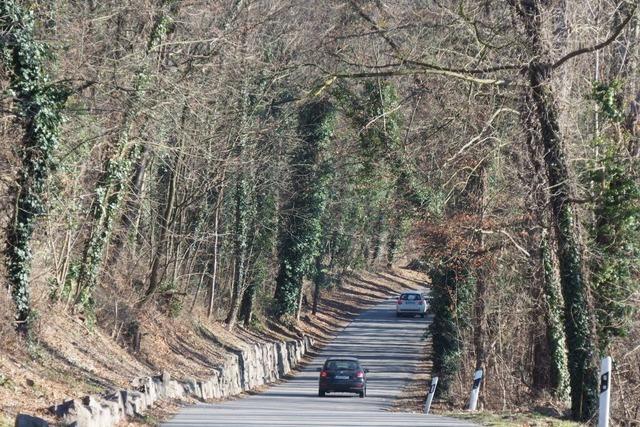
(389,346)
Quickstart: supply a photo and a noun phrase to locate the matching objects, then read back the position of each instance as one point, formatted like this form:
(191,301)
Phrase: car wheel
(422,315)
(361,394)
(397,314)
(321,393)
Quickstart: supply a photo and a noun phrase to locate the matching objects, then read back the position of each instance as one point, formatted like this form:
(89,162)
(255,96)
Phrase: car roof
(412,293)
(354,359)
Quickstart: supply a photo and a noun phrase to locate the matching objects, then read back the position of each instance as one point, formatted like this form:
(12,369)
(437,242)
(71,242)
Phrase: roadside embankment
(209,363)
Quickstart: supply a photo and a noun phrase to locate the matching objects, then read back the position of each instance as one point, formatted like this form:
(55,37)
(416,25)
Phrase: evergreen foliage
(262,238)
(385,183)
(451,305)
(40,108)
(578,319)
(559,378)
(301,234)
(615,228)
(615,234)
(111,189)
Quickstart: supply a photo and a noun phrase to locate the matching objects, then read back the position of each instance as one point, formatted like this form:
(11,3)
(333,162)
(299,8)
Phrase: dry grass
(511,419)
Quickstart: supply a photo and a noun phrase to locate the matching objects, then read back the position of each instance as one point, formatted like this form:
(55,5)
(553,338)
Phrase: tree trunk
(378,241)
(216,230)
(198,288)
(300,298)
(240,249)
(550,360)
(111,189)
(393,242)
(318,281)
(301,234)
(578,320)
(155,277)
(479,332)
(558,378)
(40,104)
(129,218)
(248,298)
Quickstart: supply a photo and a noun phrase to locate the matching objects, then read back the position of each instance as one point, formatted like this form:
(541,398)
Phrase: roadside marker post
(475,390)
(432,391)
(605,392)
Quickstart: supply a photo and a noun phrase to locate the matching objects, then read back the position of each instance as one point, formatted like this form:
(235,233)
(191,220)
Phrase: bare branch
(412,72)
(401,57)
(479,136)
(520,248)
(599,46)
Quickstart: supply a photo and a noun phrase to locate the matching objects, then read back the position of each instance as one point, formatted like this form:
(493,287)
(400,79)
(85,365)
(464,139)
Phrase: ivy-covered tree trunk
(263,237)
(549,371)
(216,249)
(558,374)
(248,300)
(130,218)
(616,208)
(319,280)
(240,230)
(379,238)
(451,304)
(398,230)
(479,194)
(578,319)
(301,232)
(242,205)
(615,235)
(110,190)
(243,296)
(40,105)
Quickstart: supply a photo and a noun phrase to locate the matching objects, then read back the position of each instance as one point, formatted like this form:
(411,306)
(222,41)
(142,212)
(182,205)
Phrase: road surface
(389,346)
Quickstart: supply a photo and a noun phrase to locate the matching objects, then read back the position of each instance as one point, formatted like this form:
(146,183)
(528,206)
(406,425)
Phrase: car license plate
(342,377)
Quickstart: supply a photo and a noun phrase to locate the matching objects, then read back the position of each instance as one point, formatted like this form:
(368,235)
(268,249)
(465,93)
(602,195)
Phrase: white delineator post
(432,391)
(475,390)
(605,392)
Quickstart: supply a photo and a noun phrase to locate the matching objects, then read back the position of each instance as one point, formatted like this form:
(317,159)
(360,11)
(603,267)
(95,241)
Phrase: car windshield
(410,297)
(341,365)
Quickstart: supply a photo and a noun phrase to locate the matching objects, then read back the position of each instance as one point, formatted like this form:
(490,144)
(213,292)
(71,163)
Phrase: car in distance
(342,374)
(411,303)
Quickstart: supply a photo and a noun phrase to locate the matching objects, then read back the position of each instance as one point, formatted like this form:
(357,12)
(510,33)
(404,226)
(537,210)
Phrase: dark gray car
(342,374)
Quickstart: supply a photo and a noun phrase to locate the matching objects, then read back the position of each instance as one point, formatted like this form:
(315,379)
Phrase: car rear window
(334,365)
(410,297)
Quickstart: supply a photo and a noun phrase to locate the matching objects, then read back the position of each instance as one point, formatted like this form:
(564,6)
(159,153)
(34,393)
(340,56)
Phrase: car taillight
(324,374)
(422,302)
(360,374)
(399,301)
